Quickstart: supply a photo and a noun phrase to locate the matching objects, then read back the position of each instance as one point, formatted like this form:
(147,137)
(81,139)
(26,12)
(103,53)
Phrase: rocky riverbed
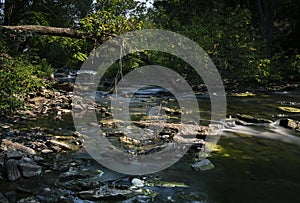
(37,164)
(49,164)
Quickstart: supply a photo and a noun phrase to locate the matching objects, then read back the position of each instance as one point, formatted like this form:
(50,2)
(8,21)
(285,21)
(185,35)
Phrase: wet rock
(28,200)
(81,185)
(289,123)
(251,119)
(13,172)
(24,190)
(30,169)
(103,192)
(139,199)
(38,158)
(137,182)
(72,174)
(203,165)
(46,190)
(14,154)
(59,144)
(3,199)
(46,151)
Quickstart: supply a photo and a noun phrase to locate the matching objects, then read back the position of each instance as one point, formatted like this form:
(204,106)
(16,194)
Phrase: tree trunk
(44,30)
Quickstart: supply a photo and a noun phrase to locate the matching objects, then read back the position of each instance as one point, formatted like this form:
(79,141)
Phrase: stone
(137,182)
(14,154)
(13,172)
(7,145)
(24,190)
(203,165)
(71,175)
(28,200)
(47,190)
(30,169)
(251,119)
(289,123)
(3,199)
(38,158)
(60,144)
(103,192)
(47,151)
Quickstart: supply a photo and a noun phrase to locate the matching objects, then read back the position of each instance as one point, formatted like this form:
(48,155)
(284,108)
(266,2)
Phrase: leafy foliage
(18,77)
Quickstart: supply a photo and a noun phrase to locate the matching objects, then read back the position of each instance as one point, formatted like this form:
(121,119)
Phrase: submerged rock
(203,165)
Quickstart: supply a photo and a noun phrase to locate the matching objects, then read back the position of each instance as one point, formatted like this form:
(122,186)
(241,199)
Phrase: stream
(254,162)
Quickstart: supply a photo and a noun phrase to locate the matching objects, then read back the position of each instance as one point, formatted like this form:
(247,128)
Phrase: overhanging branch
(45,30)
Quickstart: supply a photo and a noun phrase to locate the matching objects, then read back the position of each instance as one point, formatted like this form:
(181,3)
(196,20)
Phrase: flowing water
(253,162)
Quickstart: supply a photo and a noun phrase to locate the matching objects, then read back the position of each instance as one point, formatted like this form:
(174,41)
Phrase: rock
(289,123)
(60,144)
(251,119)
(13,172)
(80,185)
(3,199)
(30,169)
(14,154)
(24,190)
(7,145)
(46,190)
(137,182)
(47,151)
(103,192)
(203,165)
(38,158)
(28,200)
(71,175)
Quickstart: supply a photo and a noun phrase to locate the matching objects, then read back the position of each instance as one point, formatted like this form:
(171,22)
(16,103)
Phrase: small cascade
(263,130)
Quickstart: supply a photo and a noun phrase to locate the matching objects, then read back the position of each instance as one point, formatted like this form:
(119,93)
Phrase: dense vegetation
(251,42)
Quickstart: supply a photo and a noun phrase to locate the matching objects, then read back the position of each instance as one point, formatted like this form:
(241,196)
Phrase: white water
(268,131)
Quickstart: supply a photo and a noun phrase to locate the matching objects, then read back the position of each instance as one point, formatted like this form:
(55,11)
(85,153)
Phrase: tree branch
(45,30)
